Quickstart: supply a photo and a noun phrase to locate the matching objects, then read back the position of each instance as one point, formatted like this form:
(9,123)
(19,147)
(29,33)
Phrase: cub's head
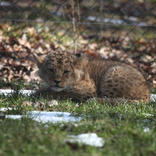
(60,69)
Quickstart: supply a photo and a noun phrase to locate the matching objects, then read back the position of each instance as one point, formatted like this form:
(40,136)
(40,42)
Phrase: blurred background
(123,30)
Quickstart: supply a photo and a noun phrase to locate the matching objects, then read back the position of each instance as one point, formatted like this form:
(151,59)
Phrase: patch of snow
(27,92)
(14,116)
(6,91)
(89,139)
(10,91)
(4,109)
(147,114)
(45,117)
(107,20)
(153,97)
(146,129)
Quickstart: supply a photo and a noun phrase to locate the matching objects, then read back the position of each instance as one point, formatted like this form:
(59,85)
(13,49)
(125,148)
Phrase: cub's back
(116,79)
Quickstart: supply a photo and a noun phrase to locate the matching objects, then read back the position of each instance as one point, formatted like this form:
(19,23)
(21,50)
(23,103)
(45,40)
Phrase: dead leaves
(140,53)
(16,52)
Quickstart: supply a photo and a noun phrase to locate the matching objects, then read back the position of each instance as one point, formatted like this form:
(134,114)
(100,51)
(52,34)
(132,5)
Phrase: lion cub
(81,78)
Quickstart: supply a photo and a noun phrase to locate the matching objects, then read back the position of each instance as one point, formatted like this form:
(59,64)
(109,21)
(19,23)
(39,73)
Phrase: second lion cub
(81,78)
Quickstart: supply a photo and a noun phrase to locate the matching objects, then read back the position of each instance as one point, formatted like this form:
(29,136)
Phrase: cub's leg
(115,101)
(44,92)
(120,83)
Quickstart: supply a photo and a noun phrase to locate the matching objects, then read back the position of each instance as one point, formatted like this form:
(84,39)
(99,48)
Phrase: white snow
(45,117)
(10,91)
(153,97)
(87,138)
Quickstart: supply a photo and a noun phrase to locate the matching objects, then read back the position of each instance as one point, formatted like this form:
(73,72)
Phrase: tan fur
(81,78)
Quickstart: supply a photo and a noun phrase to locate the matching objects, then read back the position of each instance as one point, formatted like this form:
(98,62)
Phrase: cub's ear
(74,57)
(77,55)
(39,59)
(80,61)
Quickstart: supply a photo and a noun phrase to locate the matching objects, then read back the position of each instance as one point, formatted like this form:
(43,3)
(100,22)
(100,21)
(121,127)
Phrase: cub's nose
(57,82)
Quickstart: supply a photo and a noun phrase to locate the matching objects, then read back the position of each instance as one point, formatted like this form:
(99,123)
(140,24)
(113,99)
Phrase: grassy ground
(122,127)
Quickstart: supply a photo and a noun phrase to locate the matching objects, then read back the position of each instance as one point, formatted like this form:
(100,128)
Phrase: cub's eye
(51,70)
(66,72)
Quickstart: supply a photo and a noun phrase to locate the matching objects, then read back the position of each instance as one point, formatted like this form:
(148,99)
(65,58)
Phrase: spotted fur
(82,78)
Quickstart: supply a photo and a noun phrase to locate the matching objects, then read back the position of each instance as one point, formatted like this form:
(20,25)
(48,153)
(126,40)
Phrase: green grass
(122,128)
